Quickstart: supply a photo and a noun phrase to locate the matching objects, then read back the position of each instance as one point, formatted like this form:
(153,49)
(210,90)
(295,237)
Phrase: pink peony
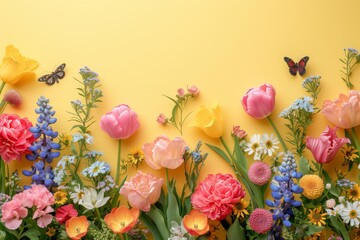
(344,112)
(120,123)
(326,146)
(65,212)
(217,195)
(261,220)
(164,152)
(194,90)
(259,102)
(15,137)
(259,173)
(13,213)
(142,190)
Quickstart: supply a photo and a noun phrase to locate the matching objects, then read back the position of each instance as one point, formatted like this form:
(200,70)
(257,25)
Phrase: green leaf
(235,231)
(172,210)
(150,224)
(304,166)
(2,235)
(340,226)
(32,233)
(239,155)
(158,218)
(311,229)
(262,237)
(220,152)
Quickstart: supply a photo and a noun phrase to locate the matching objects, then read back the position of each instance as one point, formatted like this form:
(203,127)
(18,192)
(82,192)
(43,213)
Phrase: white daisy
(351,214)
(254,146)
(77,196)
(269,144)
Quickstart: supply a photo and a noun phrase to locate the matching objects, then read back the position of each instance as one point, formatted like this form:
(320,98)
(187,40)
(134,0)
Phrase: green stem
(98,214)
(277,134)
(353,137)
(2,176)
(118,164)
(227,148)
(125,236)
(2,86)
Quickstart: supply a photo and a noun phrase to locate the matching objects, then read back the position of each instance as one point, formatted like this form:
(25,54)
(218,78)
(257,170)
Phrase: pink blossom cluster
(37,198)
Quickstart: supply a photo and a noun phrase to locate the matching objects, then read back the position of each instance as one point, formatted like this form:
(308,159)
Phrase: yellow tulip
(210,120)
(15,67)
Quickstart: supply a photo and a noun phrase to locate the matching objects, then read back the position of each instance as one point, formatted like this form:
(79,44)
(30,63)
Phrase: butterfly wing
(302,65)
(59,72)
(47,79)
(293,67)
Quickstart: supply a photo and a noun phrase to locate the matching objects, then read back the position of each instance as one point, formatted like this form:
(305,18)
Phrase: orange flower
(77,227)
(122,219)
(196,223)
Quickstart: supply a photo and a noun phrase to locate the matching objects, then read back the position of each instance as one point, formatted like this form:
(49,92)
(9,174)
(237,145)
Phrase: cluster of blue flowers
(283,189)
(44,149)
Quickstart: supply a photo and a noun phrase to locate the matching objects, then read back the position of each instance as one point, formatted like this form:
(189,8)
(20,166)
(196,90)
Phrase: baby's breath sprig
(178,115)
(300,114)
(351,58)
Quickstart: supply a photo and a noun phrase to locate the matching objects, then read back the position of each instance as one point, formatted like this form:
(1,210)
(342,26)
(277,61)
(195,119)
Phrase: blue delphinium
(283,189)
(44,149)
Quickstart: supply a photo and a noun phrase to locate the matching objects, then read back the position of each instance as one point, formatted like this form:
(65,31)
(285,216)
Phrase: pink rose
(13,213)
(65,212)
(326,146)
(15,137)
(164,152)
(193,90)
(120,123)
(259,102)
(181,92)
(142,190)
(345,111)
(161,119)
(217,195)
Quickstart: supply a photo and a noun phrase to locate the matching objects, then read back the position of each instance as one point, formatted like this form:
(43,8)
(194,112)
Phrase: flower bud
(13,98)
(342,199)
(330,203)
(161,119)
(328,186)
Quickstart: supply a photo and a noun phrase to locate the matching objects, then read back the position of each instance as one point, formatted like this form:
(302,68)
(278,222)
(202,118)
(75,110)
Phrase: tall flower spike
(44,149)
(283,189)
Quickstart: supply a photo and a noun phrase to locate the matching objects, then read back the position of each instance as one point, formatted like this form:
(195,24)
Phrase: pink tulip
(194,90)
(259,102)
(344,112)
(142,190)
(326,146)
(181,93)
(120,123)
(163,152)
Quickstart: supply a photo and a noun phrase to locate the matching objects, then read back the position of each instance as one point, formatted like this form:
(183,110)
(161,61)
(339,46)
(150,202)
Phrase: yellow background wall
(144,49)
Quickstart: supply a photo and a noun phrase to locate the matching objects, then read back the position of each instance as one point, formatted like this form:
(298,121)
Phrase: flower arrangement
(276,191)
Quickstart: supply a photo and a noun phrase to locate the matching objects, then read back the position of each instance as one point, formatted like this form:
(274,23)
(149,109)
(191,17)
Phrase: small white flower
(351,214)
(92,199)
(269,144)
(254,146)
(328,186)
(78,195)
(341,199)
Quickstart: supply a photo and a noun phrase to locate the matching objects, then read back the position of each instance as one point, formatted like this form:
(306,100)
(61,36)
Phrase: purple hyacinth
(44,149)
(283,189)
